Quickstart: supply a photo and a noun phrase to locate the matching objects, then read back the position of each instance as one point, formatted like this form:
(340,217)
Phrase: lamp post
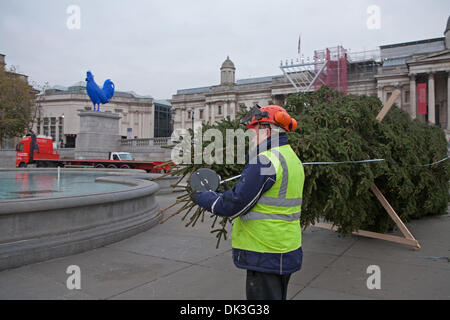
(172,122)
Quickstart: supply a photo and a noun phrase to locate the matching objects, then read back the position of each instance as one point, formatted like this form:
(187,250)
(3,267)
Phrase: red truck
(40,151)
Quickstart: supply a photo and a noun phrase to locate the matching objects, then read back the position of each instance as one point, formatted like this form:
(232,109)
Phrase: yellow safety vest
(273,224)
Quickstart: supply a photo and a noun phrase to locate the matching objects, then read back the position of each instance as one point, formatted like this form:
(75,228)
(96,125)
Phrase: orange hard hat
(270,114)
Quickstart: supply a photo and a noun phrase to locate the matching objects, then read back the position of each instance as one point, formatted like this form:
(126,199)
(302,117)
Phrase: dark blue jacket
(239,200)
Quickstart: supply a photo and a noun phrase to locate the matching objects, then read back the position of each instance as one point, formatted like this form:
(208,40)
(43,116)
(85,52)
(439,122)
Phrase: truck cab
(32,148)
(120,156)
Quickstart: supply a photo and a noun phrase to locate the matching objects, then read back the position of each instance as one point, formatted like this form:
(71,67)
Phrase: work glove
(204,199)
(194,194)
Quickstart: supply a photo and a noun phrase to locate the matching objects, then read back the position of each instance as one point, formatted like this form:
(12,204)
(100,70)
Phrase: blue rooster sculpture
(96,94)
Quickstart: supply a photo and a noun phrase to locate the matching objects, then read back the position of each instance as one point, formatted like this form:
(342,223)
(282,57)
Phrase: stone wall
(8,158)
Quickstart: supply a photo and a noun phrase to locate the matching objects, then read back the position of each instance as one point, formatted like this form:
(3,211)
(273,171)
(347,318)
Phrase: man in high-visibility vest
(265,204)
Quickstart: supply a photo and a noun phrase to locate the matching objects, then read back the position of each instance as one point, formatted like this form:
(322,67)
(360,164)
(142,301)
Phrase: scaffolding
(335,73)
(302,75)
(328,67)
(364,56)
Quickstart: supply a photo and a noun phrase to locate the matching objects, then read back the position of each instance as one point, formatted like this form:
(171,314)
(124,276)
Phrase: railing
(367,55)
(154,144)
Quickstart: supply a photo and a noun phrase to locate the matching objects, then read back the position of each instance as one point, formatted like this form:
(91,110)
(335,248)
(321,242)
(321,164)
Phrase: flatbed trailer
(40,151)
(149,166)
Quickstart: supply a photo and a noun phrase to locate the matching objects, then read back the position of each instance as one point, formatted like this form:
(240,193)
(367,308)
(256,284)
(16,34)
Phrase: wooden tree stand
(407,238)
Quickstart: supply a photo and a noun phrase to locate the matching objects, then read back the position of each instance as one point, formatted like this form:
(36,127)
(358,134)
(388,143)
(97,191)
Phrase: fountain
(49,213)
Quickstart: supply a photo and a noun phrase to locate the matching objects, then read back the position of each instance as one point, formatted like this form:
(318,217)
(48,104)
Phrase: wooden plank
(375,235)
(391,212)
(388,105)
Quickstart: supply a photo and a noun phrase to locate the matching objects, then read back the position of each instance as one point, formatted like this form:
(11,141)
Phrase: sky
(158,47)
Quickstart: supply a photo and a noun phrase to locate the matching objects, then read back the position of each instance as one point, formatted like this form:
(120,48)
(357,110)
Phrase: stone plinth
(99,134)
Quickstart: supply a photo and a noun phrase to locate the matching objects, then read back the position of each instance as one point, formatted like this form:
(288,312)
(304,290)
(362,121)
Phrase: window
(53,128)
(219,111)
(406,97)
(45,126)
(201,114)
(60,127)
(189,114)
(388,95)
(163,121)
(125,157)
(53,132)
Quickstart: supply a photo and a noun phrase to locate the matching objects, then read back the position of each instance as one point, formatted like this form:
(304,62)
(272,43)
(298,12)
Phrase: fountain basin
(53,224)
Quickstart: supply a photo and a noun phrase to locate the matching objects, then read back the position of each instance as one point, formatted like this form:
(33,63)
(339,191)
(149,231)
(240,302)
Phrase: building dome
(227,64)
(227,72)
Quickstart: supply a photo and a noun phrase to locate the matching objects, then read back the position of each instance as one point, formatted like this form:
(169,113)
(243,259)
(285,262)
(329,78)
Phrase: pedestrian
(265,206)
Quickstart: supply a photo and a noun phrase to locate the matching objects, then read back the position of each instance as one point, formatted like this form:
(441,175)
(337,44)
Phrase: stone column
(206,113)
(380,93)
(131,122)
(431,99)
(233,110)
(213,114)
(149,118)
(399,100)
(183,118)
(225,109)
(140,126)
(448,100)
(412,96)
(152,116)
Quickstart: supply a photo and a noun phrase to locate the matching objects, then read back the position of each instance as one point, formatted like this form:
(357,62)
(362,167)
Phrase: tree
(339,128)
(16,105)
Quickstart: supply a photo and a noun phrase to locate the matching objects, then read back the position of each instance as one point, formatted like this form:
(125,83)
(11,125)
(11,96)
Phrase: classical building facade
(195,106)
(213,103)
(397,66)
(406,65)
(141,116)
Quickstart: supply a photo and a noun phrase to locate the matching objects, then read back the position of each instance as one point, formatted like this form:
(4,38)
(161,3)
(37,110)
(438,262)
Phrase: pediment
(434,57)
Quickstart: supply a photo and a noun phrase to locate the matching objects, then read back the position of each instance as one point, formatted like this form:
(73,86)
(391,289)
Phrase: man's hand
(204,199)
(194,194)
